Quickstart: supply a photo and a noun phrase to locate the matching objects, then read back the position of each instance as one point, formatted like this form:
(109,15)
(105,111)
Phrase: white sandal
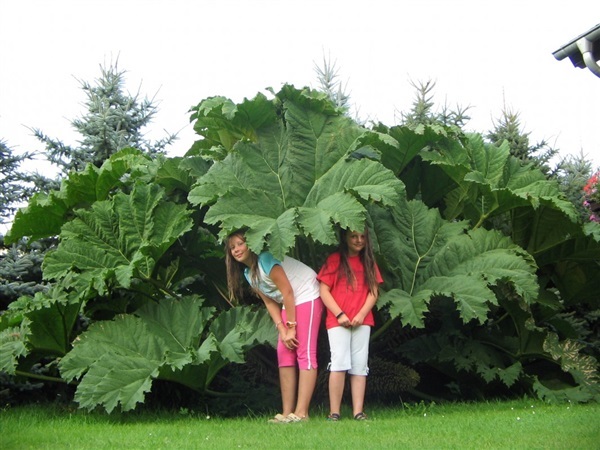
(279,418)
(293,418)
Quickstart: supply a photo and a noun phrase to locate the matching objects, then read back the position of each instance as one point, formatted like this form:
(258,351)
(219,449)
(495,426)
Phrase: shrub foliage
(490,277)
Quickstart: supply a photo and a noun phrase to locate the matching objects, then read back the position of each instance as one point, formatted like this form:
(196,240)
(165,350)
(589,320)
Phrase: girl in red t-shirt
(349,287)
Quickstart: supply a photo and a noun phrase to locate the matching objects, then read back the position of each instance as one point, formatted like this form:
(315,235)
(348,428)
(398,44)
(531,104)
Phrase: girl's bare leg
(336,391)
(306,387)
(358,386)
(288,382)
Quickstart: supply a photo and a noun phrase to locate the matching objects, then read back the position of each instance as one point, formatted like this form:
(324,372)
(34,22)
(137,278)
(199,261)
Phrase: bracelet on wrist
(340,315)
(278,323)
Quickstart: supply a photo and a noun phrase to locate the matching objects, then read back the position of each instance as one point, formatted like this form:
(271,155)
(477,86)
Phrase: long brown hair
(235,269)
(366,257)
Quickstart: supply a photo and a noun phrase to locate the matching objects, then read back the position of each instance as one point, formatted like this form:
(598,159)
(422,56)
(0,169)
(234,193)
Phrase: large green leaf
(291,176)
(46,213)
(221,122)
(180,341)
(43,217)
(118,360)
(409,236)
(51,328)
(41,325)
(13,342)
(436,258)
(491,182)
(254,326)
(399,145)
(125,336)
(116,379)
(120,239)
(234,332)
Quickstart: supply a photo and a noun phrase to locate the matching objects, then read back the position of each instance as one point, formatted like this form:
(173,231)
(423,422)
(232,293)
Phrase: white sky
(480,53)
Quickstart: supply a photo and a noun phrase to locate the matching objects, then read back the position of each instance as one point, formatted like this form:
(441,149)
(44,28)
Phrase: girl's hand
(344,321)
(357,321)
(282,332)
(289,340)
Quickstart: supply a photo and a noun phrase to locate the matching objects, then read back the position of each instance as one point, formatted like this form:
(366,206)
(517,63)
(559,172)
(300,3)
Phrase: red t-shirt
(350,299)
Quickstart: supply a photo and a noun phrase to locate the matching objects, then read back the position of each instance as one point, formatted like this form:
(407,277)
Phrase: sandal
(360,416)
(333,417)
(293,418)
(279,418)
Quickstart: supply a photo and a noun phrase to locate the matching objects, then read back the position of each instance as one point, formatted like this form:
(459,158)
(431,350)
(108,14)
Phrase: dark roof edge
(567,50)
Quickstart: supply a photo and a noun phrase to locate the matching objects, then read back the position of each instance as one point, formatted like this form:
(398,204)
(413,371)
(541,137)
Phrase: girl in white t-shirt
(290,292)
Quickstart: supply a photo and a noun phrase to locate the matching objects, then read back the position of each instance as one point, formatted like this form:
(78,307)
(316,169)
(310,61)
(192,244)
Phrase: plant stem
(41,377)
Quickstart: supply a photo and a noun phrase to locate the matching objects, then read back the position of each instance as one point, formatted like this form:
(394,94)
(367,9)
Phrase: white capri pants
(349,349)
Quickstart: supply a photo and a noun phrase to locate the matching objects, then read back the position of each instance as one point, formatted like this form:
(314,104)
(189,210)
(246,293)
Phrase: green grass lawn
(523,424)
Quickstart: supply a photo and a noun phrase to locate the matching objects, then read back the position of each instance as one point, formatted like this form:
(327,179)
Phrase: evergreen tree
(422,112)
(330,84)
(20,267)
(328,78)
(20,270)
(114,120)
(15,186)
(508,127)
(574,173)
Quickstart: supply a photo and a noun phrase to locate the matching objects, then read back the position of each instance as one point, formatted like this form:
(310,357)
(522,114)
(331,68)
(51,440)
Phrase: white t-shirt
(302,278)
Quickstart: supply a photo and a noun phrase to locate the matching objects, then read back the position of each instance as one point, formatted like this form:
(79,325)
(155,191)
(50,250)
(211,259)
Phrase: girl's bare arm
(282,282)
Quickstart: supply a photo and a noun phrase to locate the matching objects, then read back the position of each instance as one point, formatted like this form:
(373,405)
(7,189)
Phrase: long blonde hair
(235,269)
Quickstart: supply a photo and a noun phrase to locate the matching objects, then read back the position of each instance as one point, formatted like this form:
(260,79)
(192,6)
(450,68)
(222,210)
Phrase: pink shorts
(308,317)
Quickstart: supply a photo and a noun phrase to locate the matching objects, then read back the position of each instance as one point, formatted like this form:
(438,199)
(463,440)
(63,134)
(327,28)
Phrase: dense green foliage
(508,128)
(292,171)
(116,232)
(14,183)
(20,266)
(475,308)
(113,120)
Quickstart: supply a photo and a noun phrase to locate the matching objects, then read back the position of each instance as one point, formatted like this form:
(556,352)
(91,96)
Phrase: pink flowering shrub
(592,196)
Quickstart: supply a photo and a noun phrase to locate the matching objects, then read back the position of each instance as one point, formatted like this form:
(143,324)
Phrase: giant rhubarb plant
(507,322)
(292,168)
(120,263)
